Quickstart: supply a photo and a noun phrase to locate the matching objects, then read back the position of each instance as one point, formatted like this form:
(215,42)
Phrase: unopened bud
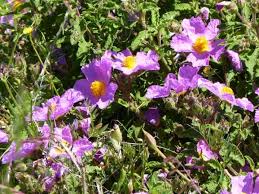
(116,134)
(130,186)
(150,140)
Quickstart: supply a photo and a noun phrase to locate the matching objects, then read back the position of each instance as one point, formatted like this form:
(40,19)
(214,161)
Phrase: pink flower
(97,87)
(128,63)
(199,40)
(205,152)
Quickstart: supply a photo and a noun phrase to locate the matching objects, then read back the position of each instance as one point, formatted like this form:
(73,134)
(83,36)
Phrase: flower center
(98,88)
(227,90)
(52,107)
(16,4)
(201,45)
(129,62)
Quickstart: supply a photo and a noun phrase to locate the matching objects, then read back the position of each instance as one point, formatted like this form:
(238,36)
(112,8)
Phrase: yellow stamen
(98,88)
(201,45)
(16,4)
(129,62)
(27,30)
(52,107)
(227,90)
(59,150)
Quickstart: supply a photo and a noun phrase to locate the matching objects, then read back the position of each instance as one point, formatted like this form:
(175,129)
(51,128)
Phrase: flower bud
(116,134)
(130,186)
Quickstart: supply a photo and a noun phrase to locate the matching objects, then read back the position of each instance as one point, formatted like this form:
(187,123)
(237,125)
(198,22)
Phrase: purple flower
(204,12)
(3,137)
(225,93)
(199,40)
(205,152)
(235,60)
(57,172)
(64,136)
(7,19)
(81,146)
(85,125)
(221,5)
(100,154)
(245,104)
(187,79)
(224,192)
(257,115)
(257,91)
(152,116)
(25,149)
(97,87)
(56,106)
(242,184)
(15,3)
(126,62)
(156,91)
(190,162)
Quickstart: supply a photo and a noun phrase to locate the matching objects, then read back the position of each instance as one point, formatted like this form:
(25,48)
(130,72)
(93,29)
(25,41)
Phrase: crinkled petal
(193,27)
(235,60)
(245,104)
(104,101)
(81,146)
(198,60)
(242,184)
(257,116)
(212,29)
(218,49)
(156,91)
(205,152)
(3,137)
(181,43)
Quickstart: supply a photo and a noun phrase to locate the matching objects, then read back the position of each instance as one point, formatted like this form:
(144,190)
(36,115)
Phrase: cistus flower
(235,60)
(56,106)
(225,93)
(3,137)
(97,87)
(25,149)
(57,171)
(152,115)
(257,91)
(7,19)
(187,79)
(100,154)
(64,137)
(15,4)
(205,152)
(257,115)
(27,30)
(204,13)
(243,184)
(222,4)
(198,39)
(128,63)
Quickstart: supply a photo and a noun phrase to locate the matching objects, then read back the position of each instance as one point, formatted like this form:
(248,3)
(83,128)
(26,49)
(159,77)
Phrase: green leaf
(251,162)
(183,7)
(142,36)
(252,63)
(231,153)
(215,165)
